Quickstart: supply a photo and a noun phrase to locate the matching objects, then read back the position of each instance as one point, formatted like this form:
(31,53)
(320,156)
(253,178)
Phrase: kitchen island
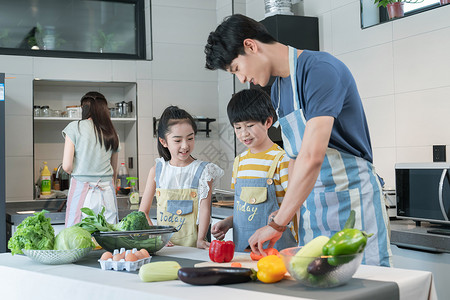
(22,278)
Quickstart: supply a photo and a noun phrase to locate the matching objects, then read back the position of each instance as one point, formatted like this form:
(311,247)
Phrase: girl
(90,156)
(181,183)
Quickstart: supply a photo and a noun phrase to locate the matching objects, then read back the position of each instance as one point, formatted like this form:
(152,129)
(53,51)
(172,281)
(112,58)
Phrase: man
(324,132)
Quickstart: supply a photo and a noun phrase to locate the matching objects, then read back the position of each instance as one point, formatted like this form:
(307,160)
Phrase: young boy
(260,174)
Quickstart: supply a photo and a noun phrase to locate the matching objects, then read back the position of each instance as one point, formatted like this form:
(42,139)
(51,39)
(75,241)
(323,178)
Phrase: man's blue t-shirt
(326,88)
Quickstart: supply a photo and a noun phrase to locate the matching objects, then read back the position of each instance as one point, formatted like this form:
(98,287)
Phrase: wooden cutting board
(245,261)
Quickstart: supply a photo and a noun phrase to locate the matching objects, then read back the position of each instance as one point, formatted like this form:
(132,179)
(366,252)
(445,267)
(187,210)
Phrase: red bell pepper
(221,251)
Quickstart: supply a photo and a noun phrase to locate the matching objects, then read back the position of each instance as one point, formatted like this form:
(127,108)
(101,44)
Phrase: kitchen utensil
(300,268)
(153,239)
(57,257)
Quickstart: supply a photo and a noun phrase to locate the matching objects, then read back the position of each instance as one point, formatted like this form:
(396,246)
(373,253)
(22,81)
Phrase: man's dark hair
(250,105)
(227,41)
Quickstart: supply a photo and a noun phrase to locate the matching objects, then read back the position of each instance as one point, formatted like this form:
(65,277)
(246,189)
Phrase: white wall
(402,69)
(176,75)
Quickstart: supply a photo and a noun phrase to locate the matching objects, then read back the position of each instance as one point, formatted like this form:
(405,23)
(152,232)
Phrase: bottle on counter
(46,180)
(133,196)
(55,180)
(122,185)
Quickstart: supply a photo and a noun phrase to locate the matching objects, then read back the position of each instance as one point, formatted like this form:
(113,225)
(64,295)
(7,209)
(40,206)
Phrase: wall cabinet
(48,142)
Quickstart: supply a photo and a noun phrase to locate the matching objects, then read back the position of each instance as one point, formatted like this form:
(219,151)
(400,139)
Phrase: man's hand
(262,235)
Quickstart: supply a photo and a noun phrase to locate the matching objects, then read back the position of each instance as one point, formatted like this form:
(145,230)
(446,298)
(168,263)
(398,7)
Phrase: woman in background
(90,156)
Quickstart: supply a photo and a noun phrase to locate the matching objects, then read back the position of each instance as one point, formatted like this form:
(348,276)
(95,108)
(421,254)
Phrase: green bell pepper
(345,242)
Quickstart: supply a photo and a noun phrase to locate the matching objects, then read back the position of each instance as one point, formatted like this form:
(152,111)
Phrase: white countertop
(22,278)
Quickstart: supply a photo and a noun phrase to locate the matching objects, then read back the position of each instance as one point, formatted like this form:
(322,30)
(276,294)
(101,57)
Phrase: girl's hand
(202,244)
(169,244)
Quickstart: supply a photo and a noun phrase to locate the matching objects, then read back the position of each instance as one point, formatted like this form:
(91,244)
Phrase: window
(73,28)
(411,7)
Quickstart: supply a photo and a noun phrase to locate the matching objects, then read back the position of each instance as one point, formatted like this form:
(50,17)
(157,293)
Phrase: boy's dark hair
(95,106)
(227,41)
(171,115)
(250,105)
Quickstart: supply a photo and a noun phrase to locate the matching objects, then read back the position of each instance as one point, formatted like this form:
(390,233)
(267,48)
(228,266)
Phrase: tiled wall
(176,75)
(402,69)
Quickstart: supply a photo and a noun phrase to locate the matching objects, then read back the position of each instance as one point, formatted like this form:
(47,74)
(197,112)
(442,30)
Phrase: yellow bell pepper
(270,269)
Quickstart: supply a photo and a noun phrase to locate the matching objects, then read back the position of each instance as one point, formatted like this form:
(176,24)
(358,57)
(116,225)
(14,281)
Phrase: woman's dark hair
(250,105)
(227,41)
(172,115)
(95,106)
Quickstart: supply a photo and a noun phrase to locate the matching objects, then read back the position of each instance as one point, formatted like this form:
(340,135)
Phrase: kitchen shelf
(51,119)
(202,120)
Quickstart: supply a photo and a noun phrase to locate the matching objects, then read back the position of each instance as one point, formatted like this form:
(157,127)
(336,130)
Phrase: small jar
(73,111)
(36,110)
(45,111)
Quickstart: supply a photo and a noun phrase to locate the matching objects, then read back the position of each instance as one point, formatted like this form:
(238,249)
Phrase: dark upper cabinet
(297,31)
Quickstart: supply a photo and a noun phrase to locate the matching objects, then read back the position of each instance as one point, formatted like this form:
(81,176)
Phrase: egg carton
(121,265)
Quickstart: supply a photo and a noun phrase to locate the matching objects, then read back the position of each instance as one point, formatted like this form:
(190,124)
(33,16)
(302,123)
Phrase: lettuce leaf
(34,233)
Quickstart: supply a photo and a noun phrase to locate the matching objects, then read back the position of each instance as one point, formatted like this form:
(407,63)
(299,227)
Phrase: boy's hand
(271,216)
(202,244)
(219,229)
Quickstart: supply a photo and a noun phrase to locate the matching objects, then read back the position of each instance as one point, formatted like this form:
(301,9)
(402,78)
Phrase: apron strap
(235,168)
(195,181)
(158,169)
(274,164)
(293,72)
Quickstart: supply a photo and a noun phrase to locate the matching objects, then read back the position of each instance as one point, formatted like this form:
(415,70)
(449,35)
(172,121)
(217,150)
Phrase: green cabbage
(34,233)
(73,237)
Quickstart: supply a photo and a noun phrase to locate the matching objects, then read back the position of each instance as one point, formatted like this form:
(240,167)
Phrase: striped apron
(93,195)
(345,182)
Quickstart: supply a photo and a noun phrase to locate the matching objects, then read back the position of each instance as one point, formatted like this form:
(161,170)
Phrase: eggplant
(320,266)
(216,275)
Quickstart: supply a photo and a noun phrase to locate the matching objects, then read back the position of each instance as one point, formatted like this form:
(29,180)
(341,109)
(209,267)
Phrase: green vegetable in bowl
(135,220)
(93,222)
(73,237)
(34,233)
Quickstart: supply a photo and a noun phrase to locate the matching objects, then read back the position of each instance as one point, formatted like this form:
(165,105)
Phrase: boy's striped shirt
(257,165)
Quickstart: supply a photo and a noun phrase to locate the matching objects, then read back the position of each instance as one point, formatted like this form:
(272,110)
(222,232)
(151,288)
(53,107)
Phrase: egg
(119,256)
(131,257)
(144,252)
(107,255)
(139,255)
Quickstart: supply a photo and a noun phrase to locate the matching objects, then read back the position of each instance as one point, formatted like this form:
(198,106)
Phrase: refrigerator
(2,166)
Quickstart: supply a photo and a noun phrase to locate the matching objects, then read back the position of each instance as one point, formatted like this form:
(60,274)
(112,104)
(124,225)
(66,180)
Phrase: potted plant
(394,7)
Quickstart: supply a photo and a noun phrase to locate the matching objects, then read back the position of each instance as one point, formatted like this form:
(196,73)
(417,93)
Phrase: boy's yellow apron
(179,208)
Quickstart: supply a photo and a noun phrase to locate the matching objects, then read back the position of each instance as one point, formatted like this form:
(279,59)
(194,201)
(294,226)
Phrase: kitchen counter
(22,278)
(404,233)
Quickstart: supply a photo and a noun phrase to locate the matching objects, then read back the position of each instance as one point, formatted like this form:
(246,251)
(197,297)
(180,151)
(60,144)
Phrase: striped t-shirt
(257,165)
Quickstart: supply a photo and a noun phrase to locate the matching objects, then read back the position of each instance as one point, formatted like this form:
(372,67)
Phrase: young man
(260,174)
(324,132)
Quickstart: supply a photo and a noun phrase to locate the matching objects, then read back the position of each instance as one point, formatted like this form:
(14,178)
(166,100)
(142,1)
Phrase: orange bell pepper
(271,269)
(268,251)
